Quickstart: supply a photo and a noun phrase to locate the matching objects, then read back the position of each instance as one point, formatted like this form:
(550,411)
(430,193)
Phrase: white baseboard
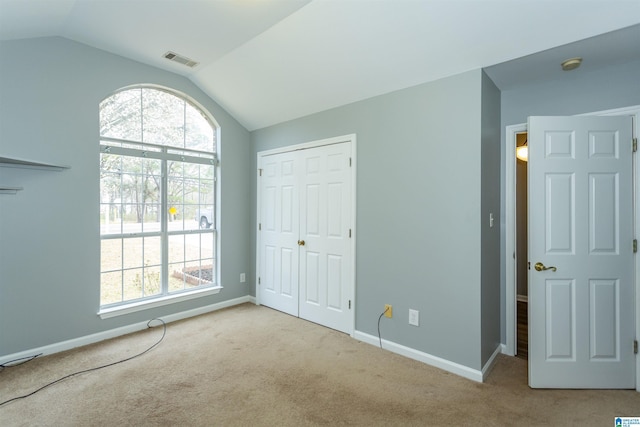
(112,333)
(438,362)
(486,369)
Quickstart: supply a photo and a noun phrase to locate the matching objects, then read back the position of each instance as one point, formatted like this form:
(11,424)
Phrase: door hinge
(349,161)
(259,226)
(349,233)
(260,172)
(635,346)
(635,144)
(350,309)
(258,280)
(635,245)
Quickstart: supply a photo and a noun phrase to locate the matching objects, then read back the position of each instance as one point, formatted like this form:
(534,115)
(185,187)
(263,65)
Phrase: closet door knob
(300,242)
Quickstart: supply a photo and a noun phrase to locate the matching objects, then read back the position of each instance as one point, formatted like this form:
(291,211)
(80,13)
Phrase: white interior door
(581,311)
(325,257)
(305,256)
(279,231)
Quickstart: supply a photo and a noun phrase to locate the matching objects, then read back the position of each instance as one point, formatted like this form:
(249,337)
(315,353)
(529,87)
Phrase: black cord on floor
(22,360)
(164,331)
(380,318)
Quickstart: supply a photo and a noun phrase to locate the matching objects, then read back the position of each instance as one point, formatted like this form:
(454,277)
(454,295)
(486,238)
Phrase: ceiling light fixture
(571,64)
(522,152)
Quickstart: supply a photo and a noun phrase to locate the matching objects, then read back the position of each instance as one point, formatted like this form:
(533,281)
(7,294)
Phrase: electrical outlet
(414,317)
(243,278)
(388,310)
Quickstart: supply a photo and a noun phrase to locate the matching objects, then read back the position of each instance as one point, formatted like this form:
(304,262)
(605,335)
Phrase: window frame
(165,154)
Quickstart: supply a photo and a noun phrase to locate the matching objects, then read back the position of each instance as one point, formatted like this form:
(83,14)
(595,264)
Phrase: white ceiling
(271,61)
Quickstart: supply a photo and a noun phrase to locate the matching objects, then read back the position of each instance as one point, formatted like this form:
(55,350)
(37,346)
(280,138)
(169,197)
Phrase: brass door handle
(540,267)
(300,242)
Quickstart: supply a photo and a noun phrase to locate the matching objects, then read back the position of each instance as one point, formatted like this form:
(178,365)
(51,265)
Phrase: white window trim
(133,307)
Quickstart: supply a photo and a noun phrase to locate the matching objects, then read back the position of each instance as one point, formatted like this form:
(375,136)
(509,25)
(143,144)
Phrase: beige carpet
(253,366)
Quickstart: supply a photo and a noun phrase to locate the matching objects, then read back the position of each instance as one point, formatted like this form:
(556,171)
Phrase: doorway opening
(522,286)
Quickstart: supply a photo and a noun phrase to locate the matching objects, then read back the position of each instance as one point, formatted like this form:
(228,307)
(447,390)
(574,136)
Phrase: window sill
(157,302)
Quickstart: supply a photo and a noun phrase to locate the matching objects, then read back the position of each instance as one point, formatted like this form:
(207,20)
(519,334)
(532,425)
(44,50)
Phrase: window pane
(152,218)
(198,132)
(120,116)
(152,283)
(207,272)
(207,245)
(111,287)
(206,191)
(176,249)
(132,280)
(192,247)
(207,172)
(176,277)
(130,223)
(111,218)
(163,121)
(111,254)
(132,252)
(191,216)
(205,216)
(152,251)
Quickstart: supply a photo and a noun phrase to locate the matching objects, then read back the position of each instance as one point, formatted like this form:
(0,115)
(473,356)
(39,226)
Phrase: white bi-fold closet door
(305,232)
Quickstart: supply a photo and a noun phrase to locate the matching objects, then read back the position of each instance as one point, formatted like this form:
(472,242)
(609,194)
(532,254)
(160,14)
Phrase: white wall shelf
(9,190)
(12,162)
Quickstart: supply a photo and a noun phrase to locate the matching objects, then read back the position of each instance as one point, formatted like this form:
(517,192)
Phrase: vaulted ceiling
(271,61)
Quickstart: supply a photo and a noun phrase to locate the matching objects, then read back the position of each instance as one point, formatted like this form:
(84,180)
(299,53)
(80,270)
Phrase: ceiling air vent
(172,56)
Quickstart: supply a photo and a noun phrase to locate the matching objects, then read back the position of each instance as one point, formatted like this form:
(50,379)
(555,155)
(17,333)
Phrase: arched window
(157,197)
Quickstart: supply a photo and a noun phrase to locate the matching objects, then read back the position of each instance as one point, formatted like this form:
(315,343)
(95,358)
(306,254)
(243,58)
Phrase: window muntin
(157,176)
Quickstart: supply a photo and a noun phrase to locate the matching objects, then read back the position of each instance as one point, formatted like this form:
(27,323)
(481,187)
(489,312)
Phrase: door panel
(311,285)
(604,312)
(335,286)
(560,209)
(603,213)
(560,321)
(581,315)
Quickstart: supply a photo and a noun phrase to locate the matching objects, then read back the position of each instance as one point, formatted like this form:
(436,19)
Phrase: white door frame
(510,228)
(351,138)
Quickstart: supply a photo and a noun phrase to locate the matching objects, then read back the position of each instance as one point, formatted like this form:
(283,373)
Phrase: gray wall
(580,91)
(419,234)
(50,89)
(490,257)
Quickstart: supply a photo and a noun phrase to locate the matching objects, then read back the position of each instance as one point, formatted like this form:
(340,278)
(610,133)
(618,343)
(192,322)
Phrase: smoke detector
(571,64)
(180,59)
